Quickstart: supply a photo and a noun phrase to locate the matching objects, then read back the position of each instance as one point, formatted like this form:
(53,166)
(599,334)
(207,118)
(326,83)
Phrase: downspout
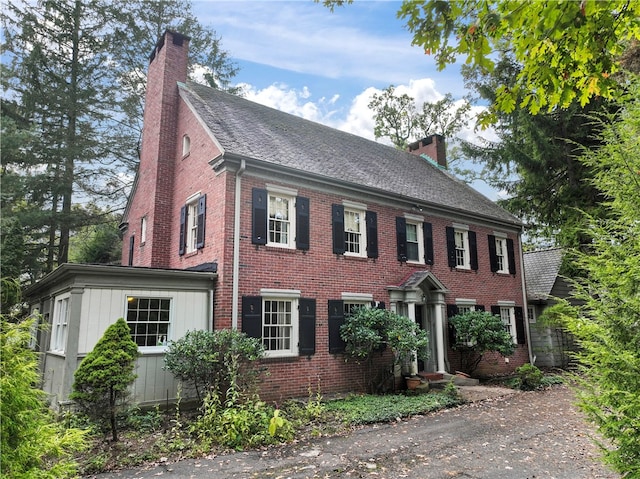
(236,247)
(527,326)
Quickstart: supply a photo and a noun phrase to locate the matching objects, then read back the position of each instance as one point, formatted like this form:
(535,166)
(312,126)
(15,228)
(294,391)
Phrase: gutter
(527,325)
(236,247)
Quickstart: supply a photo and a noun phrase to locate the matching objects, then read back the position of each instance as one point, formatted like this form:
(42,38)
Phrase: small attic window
(186,145)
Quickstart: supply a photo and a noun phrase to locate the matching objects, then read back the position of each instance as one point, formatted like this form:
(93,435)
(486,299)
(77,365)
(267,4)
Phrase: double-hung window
(60,323)
(415,248)
(279,217)
(192,224)
(508,317)
(501,253)
(354,230)
(355,233)
(149,320)
(281,214)
(282,320)
(461,247)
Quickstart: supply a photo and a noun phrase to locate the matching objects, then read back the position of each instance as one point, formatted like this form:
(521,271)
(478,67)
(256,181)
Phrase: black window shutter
(495,310)
(132,241)
(259,216)
(493,255)
(452,310)
(252,316)
(202,206)
(451,247)
(479,307)
(302,223)
(183,230)
(512,256)
(337,225)
(307,326)
(428,243)
(371,217)
(473,250)
(401,238)
(336,320)
(520,333)
(381,305)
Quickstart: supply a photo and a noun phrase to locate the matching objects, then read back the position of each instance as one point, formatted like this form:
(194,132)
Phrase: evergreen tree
(102,380)
(536,160)
(32,442)
(605,321)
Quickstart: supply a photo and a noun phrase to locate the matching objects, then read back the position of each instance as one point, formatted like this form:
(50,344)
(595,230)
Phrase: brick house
(304,222)
(299,223)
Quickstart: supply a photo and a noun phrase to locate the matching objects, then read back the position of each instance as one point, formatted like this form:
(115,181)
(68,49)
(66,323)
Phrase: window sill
(280,248)
(355,257)
(281,359)
(152,350)
(60,354)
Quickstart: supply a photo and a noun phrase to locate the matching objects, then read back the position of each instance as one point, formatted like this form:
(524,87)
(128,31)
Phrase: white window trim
(417,221)
(501,251)
(511,305)
(465,245)
(531,313)
(186,145)
(59,325)
(357,297)
(290,195)
(284,295)
(143,230)
(142,295)
(362,243)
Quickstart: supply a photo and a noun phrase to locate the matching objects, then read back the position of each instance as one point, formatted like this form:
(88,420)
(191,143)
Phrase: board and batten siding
(103,307)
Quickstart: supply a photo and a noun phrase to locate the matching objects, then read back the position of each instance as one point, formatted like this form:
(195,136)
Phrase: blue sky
(301,58)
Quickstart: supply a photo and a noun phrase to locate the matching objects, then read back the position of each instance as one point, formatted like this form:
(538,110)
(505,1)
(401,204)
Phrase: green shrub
(214,360)
(101,382)
(529,377)
(476,333)
(370,330)
(242,424)
(33,444)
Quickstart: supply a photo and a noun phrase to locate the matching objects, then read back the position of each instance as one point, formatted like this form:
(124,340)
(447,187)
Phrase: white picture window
(508,316)
(192,225)
(502,255)
(462,249)
(280,326)
(355,232)
(149,320)
(59,326)
(281,215)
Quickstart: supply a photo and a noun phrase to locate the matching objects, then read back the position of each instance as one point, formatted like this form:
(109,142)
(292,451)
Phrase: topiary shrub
(101,382)
(214,361)
(476,333)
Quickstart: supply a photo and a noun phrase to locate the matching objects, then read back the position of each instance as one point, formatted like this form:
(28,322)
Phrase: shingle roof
(255,131)
(541,270)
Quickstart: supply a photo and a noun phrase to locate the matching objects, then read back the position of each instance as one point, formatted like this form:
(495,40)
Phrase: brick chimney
(433,146)
(152,195)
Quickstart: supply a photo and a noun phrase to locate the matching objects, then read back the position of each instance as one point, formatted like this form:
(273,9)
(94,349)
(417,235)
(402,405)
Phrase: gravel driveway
(522,435)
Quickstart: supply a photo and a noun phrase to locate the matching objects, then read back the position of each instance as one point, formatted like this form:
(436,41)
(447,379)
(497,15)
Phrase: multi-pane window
(352,307)
(462,249)
(508,316)
(280,220)
(354,232)
(413,242)
(192,226)
(60,322)
(501,255)
(279,324)
(149,320)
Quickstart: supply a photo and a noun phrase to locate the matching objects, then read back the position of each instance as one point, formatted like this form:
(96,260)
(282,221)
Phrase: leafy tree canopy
(568,50)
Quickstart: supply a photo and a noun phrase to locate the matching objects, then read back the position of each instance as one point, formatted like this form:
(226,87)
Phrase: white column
(439,333)
(411,313)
